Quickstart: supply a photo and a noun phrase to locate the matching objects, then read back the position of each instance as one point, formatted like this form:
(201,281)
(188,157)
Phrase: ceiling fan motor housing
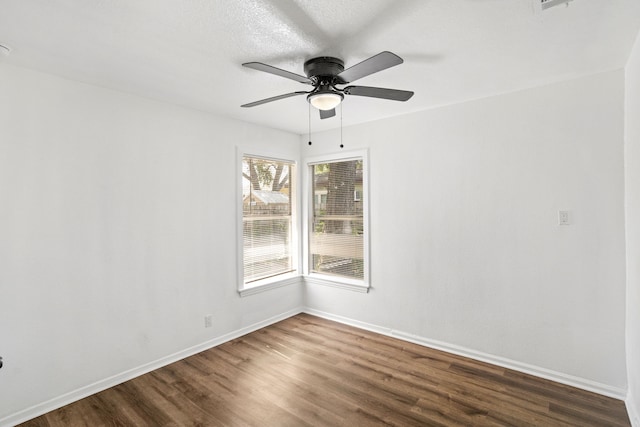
(324,66)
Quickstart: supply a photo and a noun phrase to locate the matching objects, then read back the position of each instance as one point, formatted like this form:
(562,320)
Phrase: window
(268,210)
(338,226)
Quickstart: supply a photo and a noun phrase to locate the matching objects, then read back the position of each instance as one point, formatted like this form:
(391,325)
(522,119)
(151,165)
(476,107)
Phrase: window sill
(271,283)
(336,283)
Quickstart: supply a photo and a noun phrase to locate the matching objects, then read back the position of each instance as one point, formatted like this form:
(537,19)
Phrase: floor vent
(546,4)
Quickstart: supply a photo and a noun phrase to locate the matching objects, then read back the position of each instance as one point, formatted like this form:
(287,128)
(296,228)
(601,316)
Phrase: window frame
(283,279)
(308,197)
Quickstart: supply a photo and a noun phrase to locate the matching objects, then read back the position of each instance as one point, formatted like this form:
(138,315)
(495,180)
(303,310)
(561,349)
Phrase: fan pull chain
(341,108)
(309,110)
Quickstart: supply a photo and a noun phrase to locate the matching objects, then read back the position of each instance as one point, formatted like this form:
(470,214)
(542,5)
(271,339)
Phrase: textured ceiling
(189,52)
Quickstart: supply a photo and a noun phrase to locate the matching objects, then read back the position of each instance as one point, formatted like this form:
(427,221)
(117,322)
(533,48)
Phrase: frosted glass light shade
(325,101)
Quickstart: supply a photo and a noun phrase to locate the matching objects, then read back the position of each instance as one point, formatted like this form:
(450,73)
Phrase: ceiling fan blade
(274,98)
(379,92)
(277,71)
(376,63)
(326,114)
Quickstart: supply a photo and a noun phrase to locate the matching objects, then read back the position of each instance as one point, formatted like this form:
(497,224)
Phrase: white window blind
(336,236)
(267,218)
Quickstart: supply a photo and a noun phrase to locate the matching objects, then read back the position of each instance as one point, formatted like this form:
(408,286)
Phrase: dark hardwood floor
(310,371)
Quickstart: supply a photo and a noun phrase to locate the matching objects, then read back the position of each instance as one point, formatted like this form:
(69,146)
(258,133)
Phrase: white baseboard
(88,390)
(537,371)
(633,410)
(348,321)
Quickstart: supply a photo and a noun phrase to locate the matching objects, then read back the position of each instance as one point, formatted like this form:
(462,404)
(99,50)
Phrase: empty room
(319,213)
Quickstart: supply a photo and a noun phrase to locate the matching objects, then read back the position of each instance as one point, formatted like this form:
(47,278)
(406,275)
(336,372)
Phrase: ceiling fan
(325,73)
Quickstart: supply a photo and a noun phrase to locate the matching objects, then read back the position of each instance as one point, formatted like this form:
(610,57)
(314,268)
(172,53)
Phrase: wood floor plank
(308,371)
(353,382)
(419,387)
(290,394)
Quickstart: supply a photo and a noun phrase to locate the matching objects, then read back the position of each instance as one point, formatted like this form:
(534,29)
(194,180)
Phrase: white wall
(632,199)
(117,234)
(466,249)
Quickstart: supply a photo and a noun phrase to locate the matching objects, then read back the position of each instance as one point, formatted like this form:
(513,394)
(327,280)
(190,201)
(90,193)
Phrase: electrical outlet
(208,320)
(563,217)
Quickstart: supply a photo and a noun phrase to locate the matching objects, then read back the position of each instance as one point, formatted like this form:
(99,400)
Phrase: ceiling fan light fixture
(325,100)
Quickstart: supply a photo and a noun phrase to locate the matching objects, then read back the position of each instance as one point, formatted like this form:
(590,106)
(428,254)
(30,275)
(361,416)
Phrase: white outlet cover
(563,217)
